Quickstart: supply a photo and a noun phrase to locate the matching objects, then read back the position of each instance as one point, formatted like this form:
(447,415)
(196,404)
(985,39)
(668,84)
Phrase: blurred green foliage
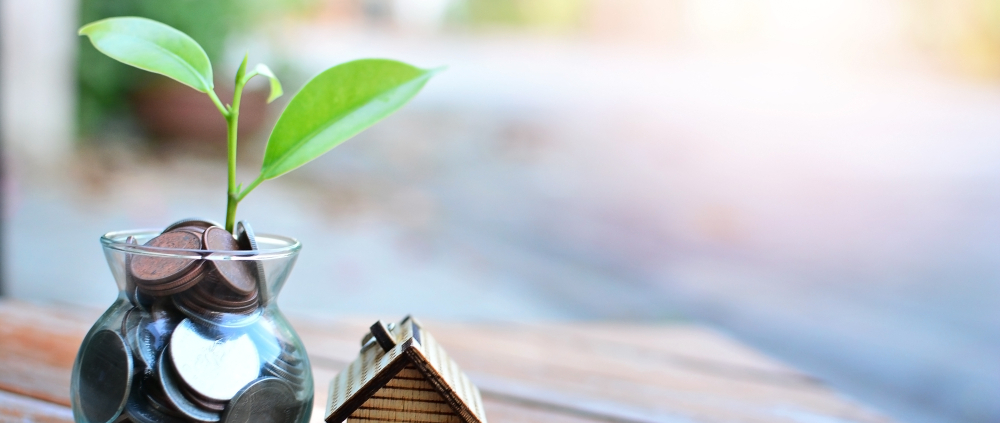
(104,85)
(558,15)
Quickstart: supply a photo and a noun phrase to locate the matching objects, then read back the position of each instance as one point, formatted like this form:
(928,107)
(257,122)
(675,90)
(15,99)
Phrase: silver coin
(154,331)
(288,354)
(216,367)
(224,320)
(265,400)
(130,287)
(176,398)
(143,300)
(247,240)
(139,410)
(272,369)
(130,325)
(105,376)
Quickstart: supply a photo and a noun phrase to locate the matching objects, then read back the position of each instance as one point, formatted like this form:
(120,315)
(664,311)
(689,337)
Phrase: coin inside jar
(140,410)
(237,275)
(157,273)
(215,367)
(266,399)
(105,376)
(247,240)
(192,223)
(176,398)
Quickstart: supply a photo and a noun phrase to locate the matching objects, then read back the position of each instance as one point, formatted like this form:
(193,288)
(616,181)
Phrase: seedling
(332,107)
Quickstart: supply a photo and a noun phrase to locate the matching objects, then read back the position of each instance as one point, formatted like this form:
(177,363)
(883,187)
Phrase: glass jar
(195,335)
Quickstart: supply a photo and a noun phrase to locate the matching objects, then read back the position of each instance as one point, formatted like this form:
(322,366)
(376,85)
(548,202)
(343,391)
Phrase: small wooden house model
(403,375)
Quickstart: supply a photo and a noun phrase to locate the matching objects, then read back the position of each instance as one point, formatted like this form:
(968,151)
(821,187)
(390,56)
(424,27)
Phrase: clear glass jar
(197,348)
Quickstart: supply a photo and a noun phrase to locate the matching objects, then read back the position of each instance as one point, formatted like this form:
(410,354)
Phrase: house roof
(386,352)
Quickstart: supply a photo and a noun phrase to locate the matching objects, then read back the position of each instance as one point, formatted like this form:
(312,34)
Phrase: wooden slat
(38,346)
(554,373)
(636,377)
(17,408)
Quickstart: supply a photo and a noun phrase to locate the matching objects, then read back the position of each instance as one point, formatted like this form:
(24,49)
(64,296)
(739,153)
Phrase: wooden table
(552,373)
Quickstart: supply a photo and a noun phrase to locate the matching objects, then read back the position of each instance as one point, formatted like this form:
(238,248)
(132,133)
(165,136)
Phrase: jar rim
(286,246)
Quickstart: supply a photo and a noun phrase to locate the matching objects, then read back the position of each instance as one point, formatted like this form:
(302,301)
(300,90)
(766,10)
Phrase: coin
(153,332)
(237,275)
(194,223)
(129,282)
(203,402)
(140,410)
(105,376)
(168,275)
(274,369)
(208,317)
(214,366)
(143,300)
(247,240)
(156,398)
(267,399)
(130,325)
(177,399)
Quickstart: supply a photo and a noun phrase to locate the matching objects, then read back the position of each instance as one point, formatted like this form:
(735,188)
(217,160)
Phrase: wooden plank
(599,375)
(18,409)
(37,348)
(561,373)
(646,387)
(505,411)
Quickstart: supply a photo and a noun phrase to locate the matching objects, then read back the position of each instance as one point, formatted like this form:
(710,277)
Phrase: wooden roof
(387,352)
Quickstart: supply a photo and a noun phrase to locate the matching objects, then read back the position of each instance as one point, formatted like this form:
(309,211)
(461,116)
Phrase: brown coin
(175,286)
(223,299)
(198,224)
(202,303)
(154,270)
(235,274)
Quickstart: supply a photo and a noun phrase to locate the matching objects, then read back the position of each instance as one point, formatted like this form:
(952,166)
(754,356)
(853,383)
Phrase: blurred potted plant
(195,333)
(166,110)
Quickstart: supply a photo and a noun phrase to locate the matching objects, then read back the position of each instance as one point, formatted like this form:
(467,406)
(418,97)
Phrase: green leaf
(276,91)
(336,105)
(242,71)
(152,46)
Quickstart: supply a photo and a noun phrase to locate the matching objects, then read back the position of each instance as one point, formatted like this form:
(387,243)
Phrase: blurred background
(819,178)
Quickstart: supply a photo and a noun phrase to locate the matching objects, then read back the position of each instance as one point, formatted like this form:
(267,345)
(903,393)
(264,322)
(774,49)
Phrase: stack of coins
(279,357)
(165,361)
(201,287)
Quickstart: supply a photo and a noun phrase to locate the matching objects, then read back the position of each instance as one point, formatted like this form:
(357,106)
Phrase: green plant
(105,87)
(332,107)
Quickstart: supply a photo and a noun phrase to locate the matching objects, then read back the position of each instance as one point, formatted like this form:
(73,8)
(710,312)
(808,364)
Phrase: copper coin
(210,303)
(194,223)
(223,297)
(236,274)
(153,270)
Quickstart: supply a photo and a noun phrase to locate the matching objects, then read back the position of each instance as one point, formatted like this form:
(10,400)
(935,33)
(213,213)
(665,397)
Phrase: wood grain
(554,373)
(19,409)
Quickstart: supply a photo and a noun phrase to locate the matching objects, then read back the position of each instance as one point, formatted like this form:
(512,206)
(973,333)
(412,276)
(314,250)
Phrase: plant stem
(239,197)
(218,103)
(232,124)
